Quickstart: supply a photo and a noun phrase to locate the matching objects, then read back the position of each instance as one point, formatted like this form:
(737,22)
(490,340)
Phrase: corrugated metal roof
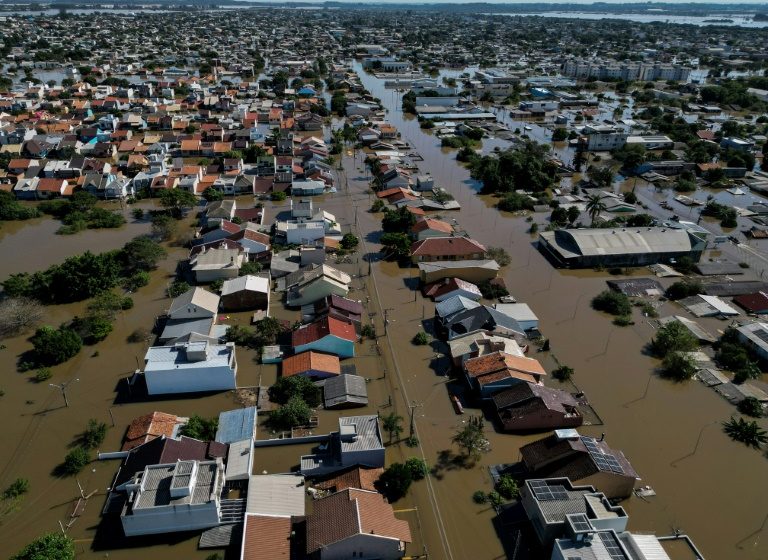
(237,425)
(276,494)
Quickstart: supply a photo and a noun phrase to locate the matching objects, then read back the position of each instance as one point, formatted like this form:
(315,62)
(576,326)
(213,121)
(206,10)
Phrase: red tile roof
(353,512)
(328,326)
(306,361)
(266,538)
(429,223)
(148,427)
(446,247)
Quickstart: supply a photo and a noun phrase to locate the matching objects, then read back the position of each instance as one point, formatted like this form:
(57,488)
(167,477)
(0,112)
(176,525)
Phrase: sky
(533,2)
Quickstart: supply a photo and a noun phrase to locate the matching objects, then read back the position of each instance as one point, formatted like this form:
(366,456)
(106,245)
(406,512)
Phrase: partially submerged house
(529,407)
(355,523)
(583,459)
(328,335)
(358,442)
(316,283)
(152,426)
(194,311)
(190,367)
(496,371)
(313,365)
(245,293)
(344,391)
(216,264)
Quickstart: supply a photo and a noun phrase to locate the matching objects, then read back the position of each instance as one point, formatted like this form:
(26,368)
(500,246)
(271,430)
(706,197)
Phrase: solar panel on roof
(580,522)
(604,461)
(612,546)
(546,493)
(762,334)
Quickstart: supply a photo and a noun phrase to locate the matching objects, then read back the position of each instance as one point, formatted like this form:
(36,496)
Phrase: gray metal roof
(345,389)
(237,425)
(194,297)
(276,494)
(618,241)
(176,328)
(360,433)
(452,305)
(157,480)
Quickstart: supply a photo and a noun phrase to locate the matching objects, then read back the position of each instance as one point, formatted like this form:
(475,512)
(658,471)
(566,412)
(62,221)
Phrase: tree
(295,386)
(559,135)
(500,255)
(559,216)
(678,366)
(640,220)
(293,413)
(18,314)
(751,407)
(673,337)
(398,221)
(55,346)
(392,424)
(602,176)
(395,481)
(396,245)
(177,288)
(141,254)
(471,438)
(267,331)
(573,214)
(250,268)
(418,467)
(683,289)
(747,432)
(612,302)
(349,241)
(53,546)
(210,194)
(75,461)
(749,370)
(595,206)
(631,156)
(420,339)
(203,429)
(164,227)
(18,488)
(278,196)
(94,434)
(177,200)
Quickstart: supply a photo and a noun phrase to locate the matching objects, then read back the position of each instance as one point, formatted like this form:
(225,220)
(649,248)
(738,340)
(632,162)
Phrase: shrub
(200,428)
(420,339)
(612,302)
(751,407)
(500,255)
(75,461)
(507,487)
(293,413)
(94,434)
(417,467)
(138,335)
(479,497)
(295,386)
(368,331)
(136,280)
(377,206)
(138,213)
(562,373)
(177,288)
(495,499)
(278,196)
(349,241)
(43,374)
(678,366)
(250,268)
(623,321)
(492,290)
(53,546)
(18,488)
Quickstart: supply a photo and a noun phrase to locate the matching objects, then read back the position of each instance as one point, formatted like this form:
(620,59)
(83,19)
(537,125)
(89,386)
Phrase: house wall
(245,299)
(191,380)
(541,419)
(470,274)
(170,519)
(330,345)
(213,275)
(370,457)
(612,485)
(371,547)
(317,290)
(311,232)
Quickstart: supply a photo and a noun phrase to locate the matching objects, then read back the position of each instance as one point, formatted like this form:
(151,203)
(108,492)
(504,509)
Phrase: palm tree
(595,206)
(391,424)
(746,431)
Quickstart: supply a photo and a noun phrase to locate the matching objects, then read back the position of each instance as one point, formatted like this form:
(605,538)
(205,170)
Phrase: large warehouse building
(589,248)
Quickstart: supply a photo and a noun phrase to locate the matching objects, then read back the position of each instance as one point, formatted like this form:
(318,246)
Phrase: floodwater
(655,422)
(736,20)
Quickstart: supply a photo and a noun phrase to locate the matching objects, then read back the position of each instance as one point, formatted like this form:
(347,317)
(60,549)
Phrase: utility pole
(63,388)
(413,406)
(386,318)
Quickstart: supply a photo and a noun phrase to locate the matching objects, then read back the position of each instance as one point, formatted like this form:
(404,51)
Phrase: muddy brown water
(709,487)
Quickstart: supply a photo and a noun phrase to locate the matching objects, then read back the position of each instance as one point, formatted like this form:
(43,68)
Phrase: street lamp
(63,388)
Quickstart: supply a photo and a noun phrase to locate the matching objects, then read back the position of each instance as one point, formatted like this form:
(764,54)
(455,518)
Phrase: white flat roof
(279,495)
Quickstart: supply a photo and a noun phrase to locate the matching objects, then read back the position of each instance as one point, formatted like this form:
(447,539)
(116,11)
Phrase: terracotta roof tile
(266,538)
(301,363)
(148,427)
(322,328)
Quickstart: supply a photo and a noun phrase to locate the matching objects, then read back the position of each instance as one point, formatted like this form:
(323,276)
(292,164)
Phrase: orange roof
(266,538)
(429,223)
(148,427)
(311,361)
(326,326)
(500,365)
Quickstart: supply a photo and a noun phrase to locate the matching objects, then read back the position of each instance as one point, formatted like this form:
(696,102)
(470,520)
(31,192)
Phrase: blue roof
(236,425)
(306,91)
